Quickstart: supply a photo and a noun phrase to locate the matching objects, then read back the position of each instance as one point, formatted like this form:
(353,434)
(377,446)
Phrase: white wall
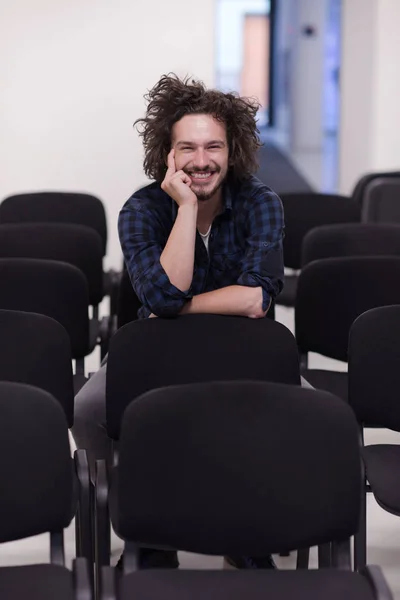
(72,77)
(370,89)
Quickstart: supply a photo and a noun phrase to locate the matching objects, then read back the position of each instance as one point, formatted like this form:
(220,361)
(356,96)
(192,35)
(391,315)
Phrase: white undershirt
(205,237)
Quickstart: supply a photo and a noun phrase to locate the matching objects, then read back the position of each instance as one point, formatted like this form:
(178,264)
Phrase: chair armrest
(82,584)
(377,581)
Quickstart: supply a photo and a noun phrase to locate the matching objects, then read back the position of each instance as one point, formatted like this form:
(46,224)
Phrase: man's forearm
(177,258)
(232,300)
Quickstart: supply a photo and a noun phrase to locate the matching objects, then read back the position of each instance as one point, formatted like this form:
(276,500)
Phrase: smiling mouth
(201,177)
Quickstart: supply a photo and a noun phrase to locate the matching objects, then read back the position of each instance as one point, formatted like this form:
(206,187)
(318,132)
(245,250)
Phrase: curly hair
(172,98)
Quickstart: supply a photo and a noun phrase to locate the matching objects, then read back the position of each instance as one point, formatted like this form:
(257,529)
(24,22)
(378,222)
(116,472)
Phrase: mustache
(207,169)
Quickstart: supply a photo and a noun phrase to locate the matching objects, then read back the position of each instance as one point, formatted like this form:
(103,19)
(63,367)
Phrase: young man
(205,237)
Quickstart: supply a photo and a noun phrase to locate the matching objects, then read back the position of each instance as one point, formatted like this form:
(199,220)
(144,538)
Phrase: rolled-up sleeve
(262,264)
(142,248)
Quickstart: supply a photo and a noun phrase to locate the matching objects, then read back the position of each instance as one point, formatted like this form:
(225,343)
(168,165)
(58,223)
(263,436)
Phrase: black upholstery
(36,582)
(333,292)
(382,465)
(77,245)
(362,184)
(128,303)
(255,585)
(36,350)
(308,210)
(52,288)
(374,382)
(374,367)
(287,297)
(152,353)
(210,468)
(351,239)
(56,207)
(35,463)
(381,200)
(335,382)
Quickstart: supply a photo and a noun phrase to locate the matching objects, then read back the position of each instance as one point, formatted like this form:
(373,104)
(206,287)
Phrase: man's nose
(200,159)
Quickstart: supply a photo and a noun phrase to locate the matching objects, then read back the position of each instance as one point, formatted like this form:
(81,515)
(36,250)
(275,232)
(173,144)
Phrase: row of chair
(172,488)
(239,352)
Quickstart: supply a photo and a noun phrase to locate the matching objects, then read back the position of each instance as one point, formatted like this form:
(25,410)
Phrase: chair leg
(360,539)
(102,521)
(324,556)
(303,558)
(84,515)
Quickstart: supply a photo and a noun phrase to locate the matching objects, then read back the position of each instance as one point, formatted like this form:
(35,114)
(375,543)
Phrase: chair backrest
(77,245)
(152,353)
(36,350)
(50,288)
(306,211)
(374,367)
(362,184)
(333,292)
(238,468)
(351,239)
(128,303)
(381,202)
(56,207)
(35,463)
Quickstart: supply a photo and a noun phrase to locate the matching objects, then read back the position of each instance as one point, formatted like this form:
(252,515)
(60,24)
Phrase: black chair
(152,353)
(362,184)
(50,288)
(374,383)
(77,245)
(128,303)
(174,487)
(74,244)
(63,207)
(56,207)
(303,212)
(331,294)
(351,239)
(36,351)
(37,493)
(381,200)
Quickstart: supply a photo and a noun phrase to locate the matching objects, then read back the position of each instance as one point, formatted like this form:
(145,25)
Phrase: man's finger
(183,177)
(171,163)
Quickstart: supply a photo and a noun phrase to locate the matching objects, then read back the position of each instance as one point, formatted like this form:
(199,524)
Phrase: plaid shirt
(245,246)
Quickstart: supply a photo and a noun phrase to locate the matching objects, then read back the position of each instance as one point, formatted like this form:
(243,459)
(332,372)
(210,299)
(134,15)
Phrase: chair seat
(36,582)
(237,585)
(331,381)
(287,297)
(382,464)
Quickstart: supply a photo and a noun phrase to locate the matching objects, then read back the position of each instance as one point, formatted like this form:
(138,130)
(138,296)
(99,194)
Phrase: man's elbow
(167,309)
(255,308)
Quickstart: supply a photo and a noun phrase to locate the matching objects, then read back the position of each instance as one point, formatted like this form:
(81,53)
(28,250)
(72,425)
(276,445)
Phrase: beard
(203,192)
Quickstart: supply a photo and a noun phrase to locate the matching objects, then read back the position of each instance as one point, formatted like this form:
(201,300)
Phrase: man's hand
(177,184)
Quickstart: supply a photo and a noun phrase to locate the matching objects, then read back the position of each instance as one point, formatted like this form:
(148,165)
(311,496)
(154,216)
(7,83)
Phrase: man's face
(201,151)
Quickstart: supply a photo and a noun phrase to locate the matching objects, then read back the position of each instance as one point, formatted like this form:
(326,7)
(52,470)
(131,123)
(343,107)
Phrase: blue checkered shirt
(245,246)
